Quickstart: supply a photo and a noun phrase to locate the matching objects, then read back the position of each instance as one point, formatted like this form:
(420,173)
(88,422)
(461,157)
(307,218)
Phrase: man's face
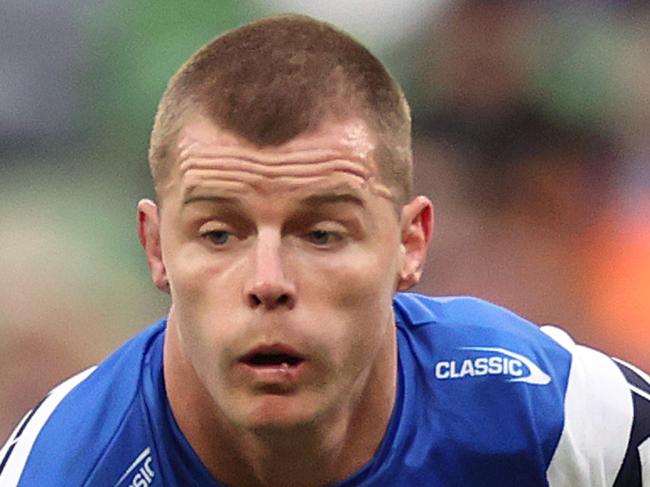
(281,263)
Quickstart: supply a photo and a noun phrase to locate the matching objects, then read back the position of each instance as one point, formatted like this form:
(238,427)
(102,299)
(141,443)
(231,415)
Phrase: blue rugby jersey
(484,398)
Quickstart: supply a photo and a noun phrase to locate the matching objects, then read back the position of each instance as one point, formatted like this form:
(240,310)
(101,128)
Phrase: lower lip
(272,374)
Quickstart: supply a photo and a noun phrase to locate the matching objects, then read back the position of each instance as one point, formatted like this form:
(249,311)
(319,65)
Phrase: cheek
(364,277)
(205,311)
(196,277)
(204,291)
(354,293)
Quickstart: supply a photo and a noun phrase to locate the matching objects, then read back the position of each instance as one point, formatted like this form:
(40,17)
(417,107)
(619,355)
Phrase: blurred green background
(531,129)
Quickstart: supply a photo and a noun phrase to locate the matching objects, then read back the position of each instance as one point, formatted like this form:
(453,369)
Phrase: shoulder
(62,439)
(495,381)
(590,412)
(470,324)
(468,340)
(416,310)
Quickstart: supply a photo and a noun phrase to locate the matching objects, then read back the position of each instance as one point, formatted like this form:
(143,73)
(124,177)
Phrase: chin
(276,414)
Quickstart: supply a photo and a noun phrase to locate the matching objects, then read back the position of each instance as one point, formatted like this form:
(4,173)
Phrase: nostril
(256,300)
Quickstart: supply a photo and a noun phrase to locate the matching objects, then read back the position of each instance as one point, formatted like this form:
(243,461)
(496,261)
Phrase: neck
(325,451)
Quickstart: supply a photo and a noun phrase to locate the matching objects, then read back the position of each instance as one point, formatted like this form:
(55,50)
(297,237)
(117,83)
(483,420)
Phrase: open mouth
(271,359)
(275,356)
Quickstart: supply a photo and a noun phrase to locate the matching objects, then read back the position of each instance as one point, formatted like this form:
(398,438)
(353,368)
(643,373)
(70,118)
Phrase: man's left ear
(417,224)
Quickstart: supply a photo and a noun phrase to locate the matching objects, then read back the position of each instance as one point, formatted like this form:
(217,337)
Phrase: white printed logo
(140,473)
(500,362)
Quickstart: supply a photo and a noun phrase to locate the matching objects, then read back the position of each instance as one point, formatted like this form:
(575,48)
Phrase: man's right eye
(217,237)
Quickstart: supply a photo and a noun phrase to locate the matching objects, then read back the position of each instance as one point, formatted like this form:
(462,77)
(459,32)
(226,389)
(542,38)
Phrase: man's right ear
(149,234)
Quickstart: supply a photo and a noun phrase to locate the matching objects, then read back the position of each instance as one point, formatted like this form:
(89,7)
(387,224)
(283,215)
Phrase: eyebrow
(314,200)
(210,199)
(332,198)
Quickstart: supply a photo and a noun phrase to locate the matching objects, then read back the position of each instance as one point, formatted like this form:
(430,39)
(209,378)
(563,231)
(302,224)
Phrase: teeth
(285,366)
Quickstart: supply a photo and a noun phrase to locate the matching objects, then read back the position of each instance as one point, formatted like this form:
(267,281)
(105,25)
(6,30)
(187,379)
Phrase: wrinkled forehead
(338,155)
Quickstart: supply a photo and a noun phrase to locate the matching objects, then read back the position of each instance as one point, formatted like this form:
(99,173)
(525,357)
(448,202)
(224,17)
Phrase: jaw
(337,422)
(333,432)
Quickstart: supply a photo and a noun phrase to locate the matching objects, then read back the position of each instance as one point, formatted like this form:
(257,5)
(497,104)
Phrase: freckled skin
(298,244)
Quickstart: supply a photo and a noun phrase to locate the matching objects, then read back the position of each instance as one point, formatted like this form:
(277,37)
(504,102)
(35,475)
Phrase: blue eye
(323,237)
(217,237)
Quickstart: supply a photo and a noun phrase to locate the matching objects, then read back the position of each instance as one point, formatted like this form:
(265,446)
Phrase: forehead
(338,156)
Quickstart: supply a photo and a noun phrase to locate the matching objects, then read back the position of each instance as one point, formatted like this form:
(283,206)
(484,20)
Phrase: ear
(416,224)
(149,234)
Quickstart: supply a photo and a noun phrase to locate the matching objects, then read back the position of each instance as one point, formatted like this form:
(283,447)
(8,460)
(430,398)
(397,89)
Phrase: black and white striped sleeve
(635,468)
(605,441)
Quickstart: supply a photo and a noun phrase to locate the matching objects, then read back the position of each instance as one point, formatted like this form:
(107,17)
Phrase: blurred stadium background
(531,124)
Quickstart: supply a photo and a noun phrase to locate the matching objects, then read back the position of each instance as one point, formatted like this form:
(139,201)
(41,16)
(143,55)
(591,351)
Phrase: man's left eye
(323,237)
(217,237)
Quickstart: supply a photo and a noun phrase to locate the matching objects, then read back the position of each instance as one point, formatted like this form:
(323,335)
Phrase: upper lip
(278,349)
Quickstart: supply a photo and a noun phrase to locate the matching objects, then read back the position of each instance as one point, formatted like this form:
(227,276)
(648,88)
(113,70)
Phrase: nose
(268,287)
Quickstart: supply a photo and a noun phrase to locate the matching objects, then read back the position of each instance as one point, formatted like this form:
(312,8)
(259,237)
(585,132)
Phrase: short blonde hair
(276,78)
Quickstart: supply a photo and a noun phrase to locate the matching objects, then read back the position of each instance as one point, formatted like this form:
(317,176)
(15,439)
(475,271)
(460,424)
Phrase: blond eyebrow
(210,199)
(331,198)
(313,200)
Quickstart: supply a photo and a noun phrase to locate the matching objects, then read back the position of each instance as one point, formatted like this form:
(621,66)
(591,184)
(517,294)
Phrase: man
(283,228)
